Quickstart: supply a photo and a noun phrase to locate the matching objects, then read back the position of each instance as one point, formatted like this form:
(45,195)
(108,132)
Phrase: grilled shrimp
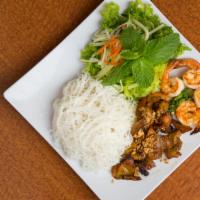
(189,63)
(171,86)
(188,114)
(191,78)
(197,97)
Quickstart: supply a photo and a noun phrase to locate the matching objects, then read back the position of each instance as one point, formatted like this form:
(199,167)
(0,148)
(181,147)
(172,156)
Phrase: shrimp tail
(195,131)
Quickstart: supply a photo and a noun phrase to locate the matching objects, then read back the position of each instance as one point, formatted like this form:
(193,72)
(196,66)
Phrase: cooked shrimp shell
(177,86)
(172,86)
(191,78)
(197,97)
(188,113)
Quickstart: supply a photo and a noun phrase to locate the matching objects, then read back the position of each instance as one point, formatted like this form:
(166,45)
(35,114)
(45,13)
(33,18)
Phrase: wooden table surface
(29,167)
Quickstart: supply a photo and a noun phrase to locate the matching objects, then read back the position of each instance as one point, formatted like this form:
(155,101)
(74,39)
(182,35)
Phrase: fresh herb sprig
(143,56)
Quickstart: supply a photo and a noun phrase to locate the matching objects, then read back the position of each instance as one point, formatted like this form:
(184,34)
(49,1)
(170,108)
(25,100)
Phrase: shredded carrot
(114,46)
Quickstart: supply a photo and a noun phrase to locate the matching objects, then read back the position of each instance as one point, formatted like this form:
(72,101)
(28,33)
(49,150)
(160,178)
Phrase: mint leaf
(132,39)
(156,52)
(159,51)
(118,73)
(143,73)
(130,54)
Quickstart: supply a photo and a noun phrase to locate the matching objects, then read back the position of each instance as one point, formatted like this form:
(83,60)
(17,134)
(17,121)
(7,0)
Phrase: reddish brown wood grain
(29,167)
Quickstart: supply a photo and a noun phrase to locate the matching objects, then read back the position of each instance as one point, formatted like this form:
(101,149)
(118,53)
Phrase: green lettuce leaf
(88,51)
(166,30)
(133,90)
(92,68)
(144,13)
(110,16)
(182,48)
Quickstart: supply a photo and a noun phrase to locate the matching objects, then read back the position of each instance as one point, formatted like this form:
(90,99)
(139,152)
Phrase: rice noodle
(92,123)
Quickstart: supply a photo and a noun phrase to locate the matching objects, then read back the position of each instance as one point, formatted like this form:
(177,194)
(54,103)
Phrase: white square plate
(33,94)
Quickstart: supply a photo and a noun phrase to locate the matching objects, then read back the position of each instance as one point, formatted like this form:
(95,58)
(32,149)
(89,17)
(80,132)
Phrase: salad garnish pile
(131,50)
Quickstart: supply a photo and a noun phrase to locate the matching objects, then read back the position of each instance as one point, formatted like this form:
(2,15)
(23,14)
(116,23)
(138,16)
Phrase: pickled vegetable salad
(130,50)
